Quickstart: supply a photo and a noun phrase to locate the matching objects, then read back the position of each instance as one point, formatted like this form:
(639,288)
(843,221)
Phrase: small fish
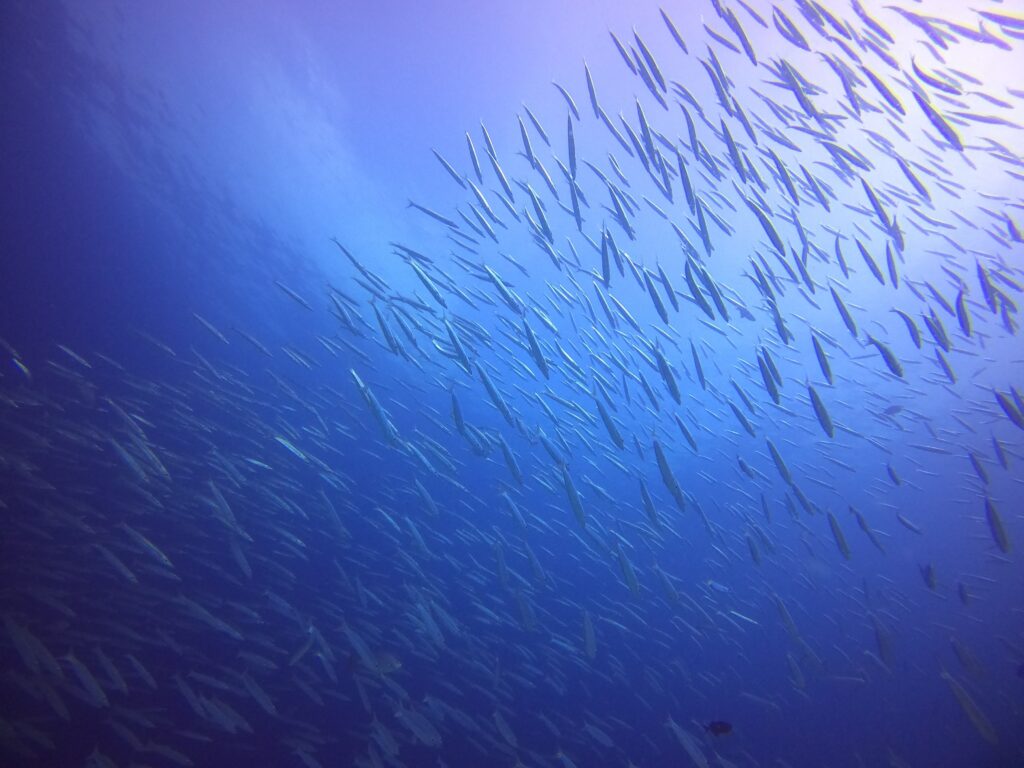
(820,411)
(819,352)
(887,356)
(995,526)
(939,122)
(718,727)
(292,295)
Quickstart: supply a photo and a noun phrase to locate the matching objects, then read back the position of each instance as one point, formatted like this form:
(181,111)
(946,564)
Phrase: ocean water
(467,384)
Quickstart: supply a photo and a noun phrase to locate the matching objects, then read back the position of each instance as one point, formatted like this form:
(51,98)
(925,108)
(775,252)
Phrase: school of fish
(680,390)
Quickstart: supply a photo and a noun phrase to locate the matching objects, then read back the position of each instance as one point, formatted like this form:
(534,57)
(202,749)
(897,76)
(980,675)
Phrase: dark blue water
(219,549)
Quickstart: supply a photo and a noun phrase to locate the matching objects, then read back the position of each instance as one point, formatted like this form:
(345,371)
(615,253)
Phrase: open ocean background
(241,522)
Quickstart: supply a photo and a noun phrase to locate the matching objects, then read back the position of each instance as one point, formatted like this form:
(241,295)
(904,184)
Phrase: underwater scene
(514,385)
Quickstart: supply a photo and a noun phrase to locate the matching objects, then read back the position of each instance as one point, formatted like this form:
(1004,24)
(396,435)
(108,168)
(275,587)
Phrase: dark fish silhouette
(718,727)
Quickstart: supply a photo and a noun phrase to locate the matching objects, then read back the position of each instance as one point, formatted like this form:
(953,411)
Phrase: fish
(535,350)
(780,464)
(668,476)
(718,727)
(819,352)
(890,360)
(432,214)
(862,523)
(770,382)
(589,636)
(293,296)
(978,718)
(996,527)
(820,411)
(667,376)
(767,226)
(939,122)
(837,535)
(449,168)
(697,367)
(844,313)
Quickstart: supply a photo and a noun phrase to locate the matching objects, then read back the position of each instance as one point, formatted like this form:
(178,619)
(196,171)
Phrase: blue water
(216,551)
